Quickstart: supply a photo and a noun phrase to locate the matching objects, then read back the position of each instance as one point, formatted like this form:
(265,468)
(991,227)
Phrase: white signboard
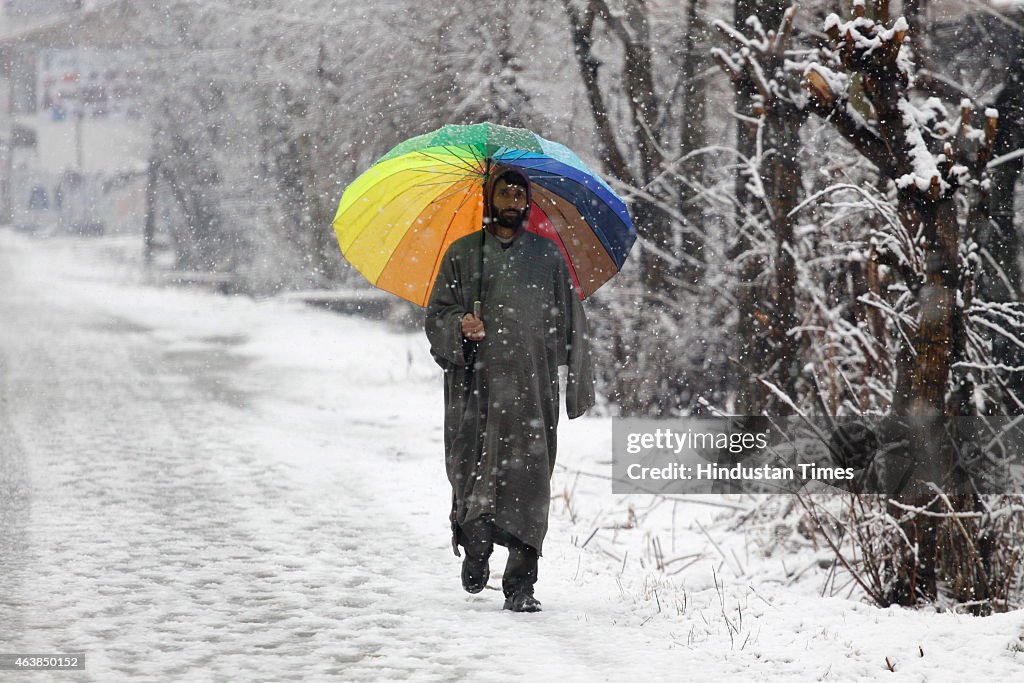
(94,84)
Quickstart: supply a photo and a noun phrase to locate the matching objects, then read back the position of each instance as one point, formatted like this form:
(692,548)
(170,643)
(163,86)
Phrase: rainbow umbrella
(396,220)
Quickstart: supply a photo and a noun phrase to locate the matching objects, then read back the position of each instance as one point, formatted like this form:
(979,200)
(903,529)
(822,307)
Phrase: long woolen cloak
(501,393)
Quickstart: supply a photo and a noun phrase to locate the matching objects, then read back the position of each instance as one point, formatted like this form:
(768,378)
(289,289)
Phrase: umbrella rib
(446,162)
(548,159)
(472,151)
(541,160)
(453,181)
(588,216)
(449,195)
(565,249)
(430,170)
(465,166)
(562,177)
(392,172)
(522,154)
(444,238)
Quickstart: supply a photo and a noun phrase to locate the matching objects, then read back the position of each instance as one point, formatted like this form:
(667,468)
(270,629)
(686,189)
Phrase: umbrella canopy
(396,220)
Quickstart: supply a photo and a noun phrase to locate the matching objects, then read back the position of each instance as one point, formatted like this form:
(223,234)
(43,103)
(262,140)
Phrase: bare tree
(768,191)
(899,140)
(648,128)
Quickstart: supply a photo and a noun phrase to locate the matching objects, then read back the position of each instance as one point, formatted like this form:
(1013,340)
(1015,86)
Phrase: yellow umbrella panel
(396,220)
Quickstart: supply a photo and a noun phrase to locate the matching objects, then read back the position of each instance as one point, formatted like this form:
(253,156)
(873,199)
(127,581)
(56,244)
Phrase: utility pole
(79,153)
(6,201)
(149,227)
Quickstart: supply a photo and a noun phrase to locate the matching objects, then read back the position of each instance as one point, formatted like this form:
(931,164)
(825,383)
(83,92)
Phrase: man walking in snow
(501,383)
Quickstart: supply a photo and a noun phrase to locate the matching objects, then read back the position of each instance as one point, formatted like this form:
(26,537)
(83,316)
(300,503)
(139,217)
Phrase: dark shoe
(475,573)
(522,602)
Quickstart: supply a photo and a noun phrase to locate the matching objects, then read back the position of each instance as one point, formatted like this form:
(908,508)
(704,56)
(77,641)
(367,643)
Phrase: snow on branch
(918,147)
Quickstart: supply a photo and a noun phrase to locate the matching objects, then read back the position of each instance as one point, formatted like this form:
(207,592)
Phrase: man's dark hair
(512,178)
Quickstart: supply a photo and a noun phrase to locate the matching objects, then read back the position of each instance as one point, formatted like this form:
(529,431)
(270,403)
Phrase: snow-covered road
(197,487)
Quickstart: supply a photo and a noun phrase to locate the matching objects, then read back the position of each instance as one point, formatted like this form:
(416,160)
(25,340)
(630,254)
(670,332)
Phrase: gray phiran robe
(501,393)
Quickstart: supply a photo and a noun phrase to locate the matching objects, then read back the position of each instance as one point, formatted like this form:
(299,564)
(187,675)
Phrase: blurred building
(74,140)
(36,8)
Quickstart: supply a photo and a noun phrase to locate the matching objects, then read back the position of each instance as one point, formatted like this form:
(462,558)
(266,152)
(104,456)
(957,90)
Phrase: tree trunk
(692,137)
(923,367)
(1003,241)
(780,175)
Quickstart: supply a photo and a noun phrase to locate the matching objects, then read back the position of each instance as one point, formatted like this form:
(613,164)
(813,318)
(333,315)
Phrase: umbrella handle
(478,309)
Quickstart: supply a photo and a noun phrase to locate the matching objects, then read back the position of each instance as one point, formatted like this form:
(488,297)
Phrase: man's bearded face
(509,203)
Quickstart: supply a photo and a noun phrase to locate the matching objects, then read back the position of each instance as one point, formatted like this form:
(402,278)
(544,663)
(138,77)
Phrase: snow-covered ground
(196,487)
